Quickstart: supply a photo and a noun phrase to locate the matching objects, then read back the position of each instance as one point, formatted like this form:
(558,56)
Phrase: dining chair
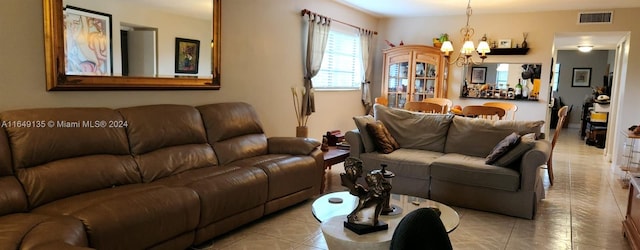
(424,107)
(446,103)
(509,108)
(562,114)
(484,112)
(382,100)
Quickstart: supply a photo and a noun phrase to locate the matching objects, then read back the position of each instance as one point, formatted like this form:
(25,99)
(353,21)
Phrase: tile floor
(583,210)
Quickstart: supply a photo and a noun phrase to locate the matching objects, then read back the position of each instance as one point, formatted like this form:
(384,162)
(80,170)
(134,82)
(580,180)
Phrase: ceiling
(563,41)
(413,8)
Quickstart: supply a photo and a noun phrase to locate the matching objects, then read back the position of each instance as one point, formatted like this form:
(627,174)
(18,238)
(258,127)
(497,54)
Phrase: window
(341,62)
(502,75)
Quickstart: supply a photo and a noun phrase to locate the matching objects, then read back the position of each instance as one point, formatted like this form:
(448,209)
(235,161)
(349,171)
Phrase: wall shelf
(508,51)
(500,99)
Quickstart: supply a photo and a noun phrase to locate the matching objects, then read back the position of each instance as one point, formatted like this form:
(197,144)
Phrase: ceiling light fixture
(585,48)
(468,48)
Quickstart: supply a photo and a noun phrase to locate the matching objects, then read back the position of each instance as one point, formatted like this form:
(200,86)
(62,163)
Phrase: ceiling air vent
(602,17)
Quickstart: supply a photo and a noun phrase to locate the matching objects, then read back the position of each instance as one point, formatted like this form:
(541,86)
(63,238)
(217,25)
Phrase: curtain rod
(306,11)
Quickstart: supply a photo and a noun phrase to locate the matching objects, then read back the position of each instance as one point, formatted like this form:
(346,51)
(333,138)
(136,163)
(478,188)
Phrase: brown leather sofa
(147,177)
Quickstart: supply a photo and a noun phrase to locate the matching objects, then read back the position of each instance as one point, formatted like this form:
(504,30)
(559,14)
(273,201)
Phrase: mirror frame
(57,79)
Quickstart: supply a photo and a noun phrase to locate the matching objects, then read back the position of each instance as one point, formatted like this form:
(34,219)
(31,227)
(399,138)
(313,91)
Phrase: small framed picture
(504,43)
(187,55)
(478,75)
(581,77)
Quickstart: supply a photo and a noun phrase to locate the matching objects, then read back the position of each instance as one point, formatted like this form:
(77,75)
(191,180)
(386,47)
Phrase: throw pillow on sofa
(385,143)
(503,147)
(526,143)
(415,130)
(361,124)
(477,137)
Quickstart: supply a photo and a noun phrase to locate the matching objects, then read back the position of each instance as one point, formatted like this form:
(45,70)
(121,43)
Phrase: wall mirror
(499,80)
(132,44)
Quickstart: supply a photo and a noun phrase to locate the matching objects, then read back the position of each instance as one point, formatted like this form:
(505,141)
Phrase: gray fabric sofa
(442,157)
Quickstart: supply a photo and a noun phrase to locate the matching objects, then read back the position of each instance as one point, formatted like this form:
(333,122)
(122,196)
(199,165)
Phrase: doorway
(139,51)
(605,63)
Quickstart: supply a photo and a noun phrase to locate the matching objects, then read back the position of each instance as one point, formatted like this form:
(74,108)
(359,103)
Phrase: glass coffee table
(332,215)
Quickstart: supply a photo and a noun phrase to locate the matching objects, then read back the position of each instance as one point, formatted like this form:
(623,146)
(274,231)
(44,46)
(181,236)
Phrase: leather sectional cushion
(240,147)
(227,120)
(219,187)
(136,216)
(12,196)
(47,142)
(38,231)
(43,184)
(178,125)
(292,145)
(287,174)
(182,146)
(165,162)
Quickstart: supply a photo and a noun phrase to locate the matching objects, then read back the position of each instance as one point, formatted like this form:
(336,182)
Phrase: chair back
(446,103)
(424,107)
(484,112)
(562,115)
(509,108)
(382,100)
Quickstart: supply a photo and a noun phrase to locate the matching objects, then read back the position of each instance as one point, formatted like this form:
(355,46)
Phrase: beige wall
(261,60)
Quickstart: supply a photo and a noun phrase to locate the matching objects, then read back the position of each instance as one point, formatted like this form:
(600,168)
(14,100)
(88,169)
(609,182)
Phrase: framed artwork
(504,43)
(581,77)
(478,75)
(187,55)
(87,41)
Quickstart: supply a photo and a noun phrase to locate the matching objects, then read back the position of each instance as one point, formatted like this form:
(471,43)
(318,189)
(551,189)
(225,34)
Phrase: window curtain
(366,53)
(318,34)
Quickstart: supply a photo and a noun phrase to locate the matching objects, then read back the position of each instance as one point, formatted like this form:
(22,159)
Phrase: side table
(332,157)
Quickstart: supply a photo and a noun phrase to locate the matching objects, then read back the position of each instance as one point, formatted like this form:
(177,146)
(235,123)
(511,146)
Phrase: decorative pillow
(415,130)
(503,147)
(361,124)
(526,143)
(477,137)
(385,143)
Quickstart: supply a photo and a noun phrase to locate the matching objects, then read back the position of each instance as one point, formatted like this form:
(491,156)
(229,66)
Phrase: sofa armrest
(354,138)
(531,162)
(292,145)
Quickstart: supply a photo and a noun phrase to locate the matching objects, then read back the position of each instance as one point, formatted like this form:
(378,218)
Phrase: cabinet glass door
(397,84)
(425,81)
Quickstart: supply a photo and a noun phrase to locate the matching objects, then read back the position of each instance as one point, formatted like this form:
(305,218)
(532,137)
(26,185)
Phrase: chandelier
(468,48)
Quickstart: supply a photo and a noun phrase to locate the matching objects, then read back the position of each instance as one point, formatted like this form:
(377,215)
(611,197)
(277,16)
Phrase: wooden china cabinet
(413,73)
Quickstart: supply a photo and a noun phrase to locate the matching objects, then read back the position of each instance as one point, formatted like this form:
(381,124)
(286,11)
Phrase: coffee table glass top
(324,210)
